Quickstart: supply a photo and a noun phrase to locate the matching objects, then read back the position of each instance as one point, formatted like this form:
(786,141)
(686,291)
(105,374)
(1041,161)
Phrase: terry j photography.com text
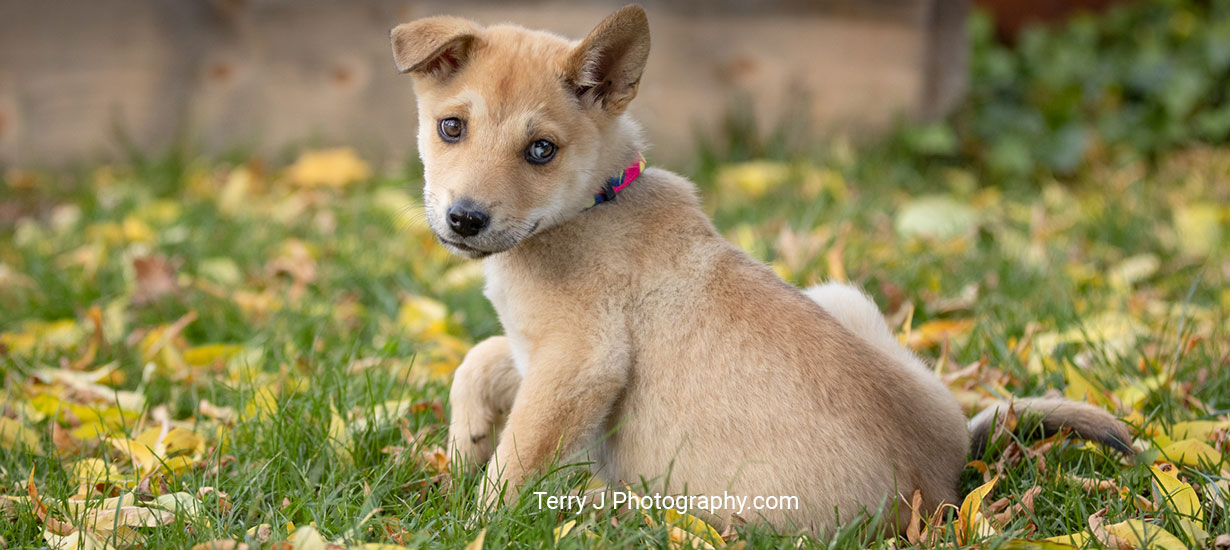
(714,504)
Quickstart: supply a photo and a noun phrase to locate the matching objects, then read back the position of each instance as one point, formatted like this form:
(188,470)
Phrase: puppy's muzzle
(467,219)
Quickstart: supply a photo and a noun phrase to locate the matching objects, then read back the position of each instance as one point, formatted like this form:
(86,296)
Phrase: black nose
(466,219)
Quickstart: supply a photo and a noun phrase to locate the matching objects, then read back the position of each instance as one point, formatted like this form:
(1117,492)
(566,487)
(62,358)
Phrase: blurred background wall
(85,80)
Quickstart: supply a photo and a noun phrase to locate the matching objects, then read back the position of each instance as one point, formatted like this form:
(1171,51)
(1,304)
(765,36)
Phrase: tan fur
(635,336)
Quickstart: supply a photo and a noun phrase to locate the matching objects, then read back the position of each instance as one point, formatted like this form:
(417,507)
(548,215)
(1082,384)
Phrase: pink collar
(618,183)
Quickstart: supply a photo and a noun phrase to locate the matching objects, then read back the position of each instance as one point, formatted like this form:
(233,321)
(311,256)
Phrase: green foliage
(1140,79)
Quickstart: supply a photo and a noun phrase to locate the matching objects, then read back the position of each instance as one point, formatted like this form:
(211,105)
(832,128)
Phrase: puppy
(636,338)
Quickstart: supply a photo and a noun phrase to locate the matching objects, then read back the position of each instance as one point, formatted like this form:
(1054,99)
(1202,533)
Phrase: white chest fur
(507,307)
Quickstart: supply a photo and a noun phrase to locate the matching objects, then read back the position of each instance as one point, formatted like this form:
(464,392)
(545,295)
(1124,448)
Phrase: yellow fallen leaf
(257,304)
(183,440)
(1081,388)
(141,457)
(181,503)
(261,532)
(77,507)
(307,538)
(751,179)
(160,211)
(1192,452)
(1134,395)
(92,431)
(229,544)
(200,356)
(163,345)
(1198,228)
(339,435)
(817,180)
(681,539)
(93,470)
(970,522)
(1145,536)
(42,336)
(262,405)
(459,277)
(137,231)
(477,543)
(1133,270)
(221,270)
(94,314)
(15,434)
(151,437)
(107,520)
(1197,429)
(1111,331)
(1077,539)
(78,540)
(421,316)
(441,357)
(1182,498)
(1178,494)
(1044,544)
(563,530)
(328,168)
(695,526)
(939,217)
(935,332)
(176,464)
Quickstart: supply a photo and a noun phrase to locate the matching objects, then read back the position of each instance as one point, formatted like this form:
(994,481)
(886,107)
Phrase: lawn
(259,350)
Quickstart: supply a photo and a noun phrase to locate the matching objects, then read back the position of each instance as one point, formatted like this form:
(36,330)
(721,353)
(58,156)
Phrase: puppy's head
(518,128)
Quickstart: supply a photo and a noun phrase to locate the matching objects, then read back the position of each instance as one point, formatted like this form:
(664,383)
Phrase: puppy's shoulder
(663,186)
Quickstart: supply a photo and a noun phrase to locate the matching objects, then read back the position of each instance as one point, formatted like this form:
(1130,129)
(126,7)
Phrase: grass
(328,296)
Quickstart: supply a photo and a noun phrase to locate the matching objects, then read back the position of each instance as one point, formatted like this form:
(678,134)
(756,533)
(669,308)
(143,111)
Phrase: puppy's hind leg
(860,315)
(484,387)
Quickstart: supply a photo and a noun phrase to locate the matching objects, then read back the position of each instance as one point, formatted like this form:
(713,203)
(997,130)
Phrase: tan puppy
(636,337)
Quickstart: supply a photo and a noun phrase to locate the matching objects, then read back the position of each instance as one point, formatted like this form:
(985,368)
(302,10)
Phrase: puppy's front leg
(482,395)
(560,409)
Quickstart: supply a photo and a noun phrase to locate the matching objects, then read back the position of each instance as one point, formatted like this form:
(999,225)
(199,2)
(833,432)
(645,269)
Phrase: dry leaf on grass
(971,524)
(477,543)
(328,168)
(1180,497)
(1044,544)
(15,435)
(221,544)
(155,277)
(935,332)
(1132,534)
(913,531)
(1193,453)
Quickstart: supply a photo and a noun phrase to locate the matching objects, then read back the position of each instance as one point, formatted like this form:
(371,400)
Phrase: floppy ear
(434,46)
(605,69)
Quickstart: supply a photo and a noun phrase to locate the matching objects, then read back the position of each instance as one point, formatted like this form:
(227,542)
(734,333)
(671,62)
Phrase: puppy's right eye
(451,129)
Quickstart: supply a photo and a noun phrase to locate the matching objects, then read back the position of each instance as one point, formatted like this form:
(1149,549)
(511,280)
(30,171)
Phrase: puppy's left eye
(450,129)
(540,152)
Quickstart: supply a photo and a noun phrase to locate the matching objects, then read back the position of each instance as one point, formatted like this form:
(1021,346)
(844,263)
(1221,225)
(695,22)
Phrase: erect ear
(605,69)
(434,46)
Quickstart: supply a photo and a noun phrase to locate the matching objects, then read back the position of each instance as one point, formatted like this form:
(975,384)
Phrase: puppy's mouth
(494,243)
(466,249)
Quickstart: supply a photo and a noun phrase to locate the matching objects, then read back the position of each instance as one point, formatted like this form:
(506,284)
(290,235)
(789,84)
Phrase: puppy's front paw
(468,448)
(470,437)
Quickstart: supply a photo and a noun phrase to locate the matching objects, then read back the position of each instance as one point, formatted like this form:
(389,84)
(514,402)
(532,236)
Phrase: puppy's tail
(1054,413)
